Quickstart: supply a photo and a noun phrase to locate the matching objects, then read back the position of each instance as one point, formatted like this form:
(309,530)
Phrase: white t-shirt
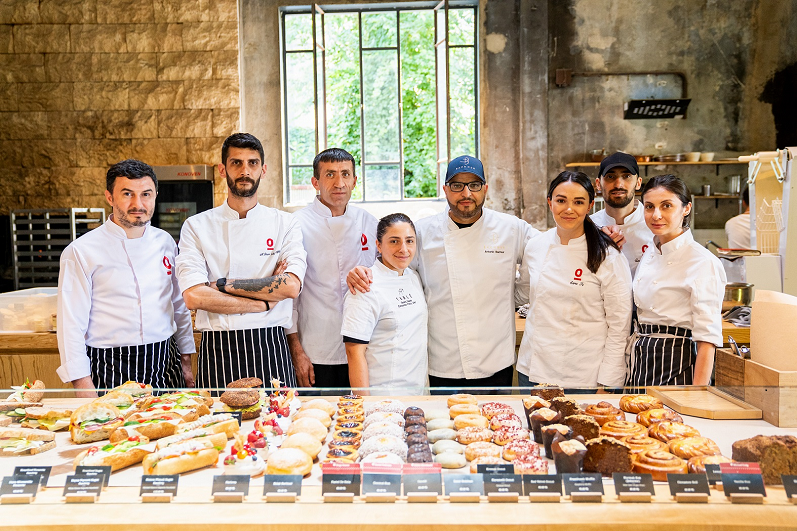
(738,231)
(392,317)
(636,232)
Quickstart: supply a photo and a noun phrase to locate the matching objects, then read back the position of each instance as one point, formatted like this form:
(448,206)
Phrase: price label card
(713,474)
(632,483)
(231,484)
(159,484)
(42,472)
(340,484)
(237,415)
(20,485)
(282,484)
(688,484)
(429,483)
(381,484)
(743,484)
(790,485)
(508,468)
(503,483)
(582,483)
(459,483)
(740,468)
(547,483)
(103,472)
(79,484)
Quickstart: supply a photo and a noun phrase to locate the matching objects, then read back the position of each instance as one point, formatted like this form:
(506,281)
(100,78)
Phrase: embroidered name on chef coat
(270,251)
(405,299)
(493,248)
(577,278)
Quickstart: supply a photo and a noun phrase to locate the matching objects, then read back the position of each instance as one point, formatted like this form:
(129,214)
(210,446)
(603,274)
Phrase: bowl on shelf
(678,157)
(707,156)
(643,158)
(693,156)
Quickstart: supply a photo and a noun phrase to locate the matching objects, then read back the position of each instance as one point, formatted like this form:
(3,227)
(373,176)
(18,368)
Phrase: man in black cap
(617,181)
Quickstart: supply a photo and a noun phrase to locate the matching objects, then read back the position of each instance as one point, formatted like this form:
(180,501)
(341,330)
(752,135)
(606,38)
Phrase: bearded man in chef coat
(240,265)
(466,259)
(337,237)
(120,312)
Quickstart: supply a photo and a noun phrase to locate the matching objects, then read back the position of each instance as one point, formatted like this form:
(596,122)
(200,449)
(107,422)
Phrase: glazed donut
(637,403)
(320,403)
(505,420)
(463,409)
(506,435)
(450,460)
(490,409)
(308,425)
(439,424)
(652,416)
(603,412)
(342,453)
(441,434)
(470,421)
(658,464)
(666,430)
(690,447)
(487,460)
(424,456)
(435,414)
(416,438)
(697,465)
(622,428)
(381,416)
(415,428)
(642,443)
(447,446)
(462,399)
(472,435)
(530,464)
(413,411)
(520,448)
(482,449)
(304,442)
(289,461)
(318,414)
(412,420)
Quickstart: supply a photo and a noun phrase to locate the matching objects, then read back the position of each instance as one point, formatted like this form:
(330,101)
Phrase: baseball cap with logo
(619,160)
(465,164)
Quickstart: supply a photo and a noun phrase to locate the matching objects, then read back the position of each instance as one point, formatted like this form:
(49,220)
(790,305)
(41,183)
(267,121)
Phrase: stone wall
(86,83)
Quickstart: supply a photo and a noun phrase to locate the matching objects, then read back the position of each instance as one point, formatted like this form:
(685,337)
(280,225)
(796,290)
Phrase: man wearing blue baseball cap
(466,259)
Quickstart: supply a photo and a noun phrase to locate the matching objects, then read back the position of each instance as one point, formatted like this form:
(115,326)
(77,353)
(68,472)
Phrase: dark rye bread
(776,454)
(547,391)
(583,425)
(607,455)
(566,406)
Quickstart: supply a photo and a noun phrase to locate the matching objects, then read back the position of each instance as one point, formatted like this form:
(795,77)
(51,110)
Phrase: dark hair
(132,169)
(598,242)
(332,155)
(746,196)
(673,184)
(243,141)
(390,220)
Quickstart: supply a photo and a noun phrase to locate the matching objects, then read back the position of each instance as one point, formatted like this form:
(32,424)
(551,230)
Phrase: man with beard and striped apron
(240,265)
(121,315)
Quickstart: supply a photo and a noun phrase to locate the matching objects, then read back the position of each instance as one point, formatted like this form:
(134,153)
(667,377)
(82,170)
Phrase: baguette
(184,415)
(116,455)
(152,429)
(27,393)
(121,400)
(218,423)
(186,397)
(180,458)
(22,441)
(94,422)
(218,440)
(157,403)
(135,389)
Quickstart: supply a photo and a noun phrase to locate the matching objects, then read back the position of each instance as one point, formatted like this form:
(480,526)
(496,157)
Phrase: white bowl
(693,156)
(707,157)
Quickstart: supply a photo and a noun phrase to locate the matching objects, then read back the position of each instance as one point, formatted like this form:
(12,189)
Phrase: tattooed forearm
(258,285)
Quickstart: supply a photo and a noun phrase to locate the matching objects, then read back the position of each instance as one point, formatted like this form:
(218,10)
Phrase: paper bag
(773,330)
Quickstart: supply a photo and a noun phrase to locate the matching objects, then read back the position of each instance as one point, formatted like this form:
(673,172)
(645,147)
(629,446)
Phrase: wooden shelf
(684,163)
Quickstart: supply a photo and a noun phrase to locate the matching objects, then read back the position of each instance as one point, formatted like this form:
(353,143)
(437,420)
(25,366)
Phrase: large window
(396,87)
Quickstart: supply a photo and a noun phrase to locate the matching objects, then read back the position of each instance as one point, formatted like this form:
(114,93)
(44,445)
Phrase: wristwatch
(220,283)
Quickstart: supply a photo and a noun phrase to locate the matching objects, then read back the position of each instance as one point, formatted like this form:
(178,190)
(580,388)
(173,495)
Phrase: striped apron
(157,364)
(662,355)
(228,355)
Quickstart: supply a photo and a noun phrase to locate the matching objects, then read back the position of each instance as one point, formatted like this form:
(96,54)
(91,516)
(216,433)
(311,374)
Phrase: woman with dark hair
(385,330)
(678,290)
(579,289)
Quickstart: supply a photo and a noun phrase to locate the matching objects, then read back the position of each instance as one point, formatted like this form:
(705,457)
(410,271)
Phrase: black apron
(226,356)
(663,360)
(157,364)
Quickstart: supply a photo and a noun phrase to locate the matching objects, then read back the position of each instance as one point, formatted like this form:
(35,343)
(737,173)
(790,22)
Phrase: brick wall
(86,83)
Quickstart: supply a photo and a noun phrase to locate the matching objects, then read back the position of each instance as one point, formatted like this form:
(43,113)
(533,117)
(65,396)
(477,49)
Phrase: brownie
(542,417)
(413,411)
(415,428)
(413,420)
(583,425)
(568,456)
(566,406)
(417,438)
(548,433)
(547,391)
(607,455)
(776,454)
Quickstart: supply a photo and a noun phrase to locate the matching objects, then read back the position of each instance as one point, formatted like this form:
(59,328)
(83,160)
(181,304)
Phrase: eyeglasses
(474,186)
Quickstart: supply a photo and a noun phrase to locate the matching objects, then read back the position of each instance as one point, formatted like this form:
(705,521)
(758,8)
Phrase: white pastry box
(28,310)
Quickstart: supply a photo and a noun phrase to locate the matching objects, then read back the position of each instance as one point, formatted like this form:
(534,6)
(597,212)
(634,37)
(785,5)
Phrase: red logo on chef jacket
(270,244)
(168,265)
(577,277)
(364,241)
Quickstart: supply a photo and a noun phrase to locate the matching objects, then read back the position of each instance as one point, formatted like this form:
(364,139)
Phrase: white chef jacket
(392,317)
(578,321)
(217,243)
(468,276)
(114,291)
(334,245)
(738,231)
(682,285)
(636,232)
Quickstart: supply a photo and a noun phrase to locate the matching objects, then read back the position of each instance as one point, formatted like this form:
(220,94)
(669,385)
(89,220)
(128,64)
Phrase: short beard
(618,204)
(234,190)
(474,214)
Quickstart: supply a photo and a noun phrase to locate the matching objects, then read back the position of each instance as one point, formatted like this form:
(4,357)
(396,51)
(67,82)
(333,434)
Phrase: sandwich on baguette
(121,400)
(135,389)
(46,418)
(116,455)
(187,398)
(218,423)
(94,422)
(182,457)
(27,393)
(21,441)
(161,404)
(218,440)
(152,428)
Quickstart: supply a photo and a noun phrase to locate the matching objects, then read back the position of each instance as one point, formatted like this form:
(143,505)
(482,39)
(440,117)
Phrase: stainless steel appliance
(183,191)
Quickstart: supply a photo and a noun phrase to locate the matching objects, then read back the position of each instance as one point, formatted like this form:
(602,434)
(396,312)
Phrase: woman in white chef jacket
(578,285)
(678,290)
(384,330)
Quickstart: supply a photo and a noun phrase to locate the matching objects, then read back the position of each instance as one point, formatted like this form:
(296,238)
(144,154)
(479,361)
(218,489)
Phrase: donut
(304,442)
(320,403)
(622,428)
(350,405)
(384,443)
(505,420)
(438,424)
(666,431)
(472,435)
(417,428)
(490,409)
(463,409)
(470,421)
(637,403)
(389,405)
(413,420)
(351,417)
(519,448)
(382,416)
(435,414)
(289,461)
(342,453)
(603,412)
(383,457)
(697,465)
(383,428)
(349,425)
(351,398)
(356,410)
(482,449)
(308,425)
(318,414)
(508,434)
(690,447)
(442,434)
(642,443)
(348,437)
(530,464)
(461,399)
(345,445)
(450,460)
(652,416)
(413,411)
(487,460)
(658,464)
(447,446)
(420,457)
(416,438)
(418,447)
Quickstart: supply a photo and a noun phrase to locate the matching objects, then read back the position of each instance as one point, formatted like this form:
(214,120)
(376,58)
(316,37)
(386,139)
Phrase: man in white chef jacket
(737,229)
(337,237)
(467,261)
(120,312)
(618,179)
(240,265)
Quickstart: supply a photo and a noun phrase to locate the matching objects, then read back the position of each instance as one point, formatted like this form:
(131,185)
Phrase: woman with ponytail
(579,289)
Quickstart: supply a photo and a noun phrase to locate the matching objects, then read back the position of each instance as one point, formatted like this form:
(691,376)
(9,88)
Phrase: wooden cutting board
(704,402)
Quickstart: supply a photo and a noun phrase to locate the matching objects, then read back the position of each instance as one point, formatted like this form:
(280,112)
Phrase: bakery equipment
(183,191)
(737,294)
